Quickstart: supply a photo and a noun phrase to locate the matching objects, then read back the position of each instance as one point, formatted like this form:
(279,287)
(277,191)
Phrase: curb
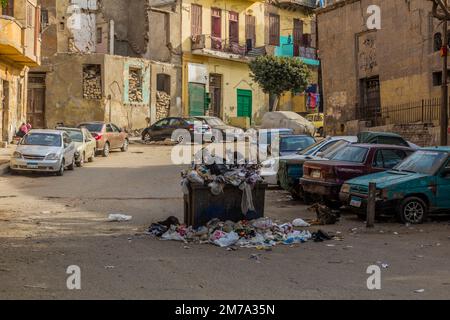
(4,169)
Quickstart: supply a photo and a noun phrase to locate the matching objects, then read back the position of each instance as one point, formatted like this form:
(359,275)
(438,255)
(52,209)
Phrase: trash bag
(119,218)
(170,221)
(298,237)
(157,229)
(263,223)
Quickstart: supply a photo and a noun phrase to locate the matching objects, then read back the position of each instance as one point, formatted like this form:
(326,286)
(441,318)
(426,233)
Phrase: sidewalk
(5,154)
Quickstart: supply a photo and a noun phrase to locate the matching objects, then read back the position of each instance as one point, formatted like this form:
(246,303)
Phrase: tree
(276,75)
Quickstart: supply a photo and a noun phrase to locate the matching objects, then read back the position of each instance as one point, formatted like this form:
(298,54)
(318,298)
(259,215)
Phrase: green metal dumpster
(201,206)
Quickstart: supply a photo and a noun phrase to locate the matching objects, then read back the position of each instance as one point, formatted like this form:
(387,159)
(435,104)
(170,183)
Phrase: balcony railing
(202,42)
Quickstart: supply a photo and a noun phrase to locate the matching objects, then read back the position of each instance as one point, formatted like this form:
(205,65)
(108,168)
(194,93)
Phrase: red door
(216,29)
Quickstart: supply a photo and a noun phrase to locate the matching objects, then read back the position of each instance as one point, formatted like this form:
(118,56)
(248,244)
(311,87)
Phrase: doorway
(36,100)
(244,103)
(370,100)
(298,36)
(215,88)
(196,99)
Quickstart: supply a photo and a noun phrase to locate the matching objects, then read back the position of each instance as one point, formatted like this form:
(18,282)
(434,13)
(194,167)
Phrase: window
(19,98)
(109,128)
(44,18)
(196,20)
(30,15)
(92,82)
(162,124)
(99,35)
(163,83)
(250,32)
(216,28)
(351,154)
(274,29)
(388,158)
(437,43)
(135,86)
(8,10)
(234,27)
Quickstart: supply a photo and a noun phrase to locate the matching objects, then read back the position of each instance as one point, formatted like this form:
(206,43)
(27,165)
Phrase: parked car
(384,138)
(291,167)
(85,144)
(263,138)
(44,151)
(108,136)
(288,145)
(175,128)
(325,178)
(288,119)
(418,185)
(317,120)
(220,131)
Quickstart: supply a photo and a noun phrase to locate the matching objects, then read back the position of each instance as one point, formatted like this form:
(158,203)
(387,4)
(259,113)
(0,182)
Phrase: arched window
(437,45)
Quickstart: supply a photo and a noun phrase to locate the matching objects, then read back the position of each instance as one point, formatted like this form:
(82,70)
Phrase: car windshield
(42,139)
(93,127)
(424,162)
(351,154)
(313,148)
(76,136)
(335,148)
(215,122)
(295,143)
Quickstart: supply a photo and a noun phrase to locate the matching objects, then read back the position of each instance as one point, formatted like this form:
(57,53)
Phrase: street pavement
(48,223)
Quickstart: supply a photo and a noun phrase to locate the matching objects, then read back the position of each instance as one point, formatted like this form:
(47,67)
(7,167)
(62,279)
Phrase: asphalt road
(48,223)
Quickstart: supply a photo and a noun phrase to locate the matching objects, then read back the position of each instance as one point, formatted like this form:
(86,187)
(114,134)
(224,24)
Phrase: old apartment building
(19,49)
(219,38)
(388,78)
(107,60)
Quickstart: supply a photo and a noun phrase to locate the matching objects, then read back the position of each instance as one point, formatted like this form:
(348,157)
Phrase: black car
(220,131)
(175,128)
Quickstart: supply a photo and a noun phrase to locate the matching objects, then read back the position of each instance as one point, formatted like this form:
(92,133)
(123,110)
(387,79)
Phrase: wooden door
(216,29)
(250,32)
(298,36)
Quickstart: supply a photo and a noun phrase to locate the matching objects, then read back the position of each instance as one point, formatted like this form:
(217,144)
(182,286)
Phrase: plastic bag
(263,223)
(299,223)
(119,218)
(228,240)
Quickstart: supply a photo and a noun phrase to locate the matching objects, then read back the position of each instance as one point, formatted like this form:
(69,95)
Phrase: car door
(119,135)
(157,130)
(443,187)
(69,149)
(110,136)
(174,124)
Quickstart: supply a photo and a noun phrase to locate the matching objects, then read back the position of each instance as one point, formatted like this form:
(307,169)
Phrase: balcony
(295,4)
(12,42)
(222,48)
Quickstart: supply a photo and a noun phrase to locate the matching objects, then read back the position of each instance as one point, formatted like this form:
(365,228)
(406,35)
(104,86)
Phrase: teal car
(417,186)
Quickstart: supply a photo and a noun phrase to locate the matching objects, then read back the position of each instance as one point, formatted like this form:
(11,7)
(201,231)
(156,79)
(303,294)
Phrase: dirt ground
(48,223)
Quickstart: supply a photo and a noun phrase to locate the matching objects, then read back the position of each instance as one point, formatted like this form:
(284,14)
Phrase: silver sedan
(44,151)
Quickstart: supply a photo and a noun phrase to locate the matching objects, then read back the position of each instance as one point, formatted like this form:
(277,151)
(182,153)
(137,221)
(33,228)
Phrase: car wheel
(147,137)
(413,210)
(60,172)
(13,172)
(92,158)
(71,167)
(81,162)
(125,146)
(106,150)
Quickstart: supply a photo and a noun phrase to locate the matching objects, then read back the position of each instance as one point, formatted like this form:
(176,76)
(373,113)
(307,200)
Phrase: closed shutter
(250,31)
(196,20)
(274,30)
(234,27)
(216,28)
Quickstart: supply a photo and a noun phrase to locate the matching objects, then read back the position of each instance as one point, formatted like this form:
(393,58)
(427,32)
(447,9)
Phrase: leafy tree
(3,3)
(276,75)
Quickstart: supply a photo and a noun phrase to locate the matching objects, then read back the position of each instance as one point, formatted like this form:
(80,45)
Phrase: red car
(325,178)
(108,136)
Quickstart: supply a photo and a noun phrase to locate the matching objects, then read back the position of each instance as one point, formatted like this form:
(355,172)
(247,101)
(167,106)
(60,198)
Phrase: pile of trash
(263,233)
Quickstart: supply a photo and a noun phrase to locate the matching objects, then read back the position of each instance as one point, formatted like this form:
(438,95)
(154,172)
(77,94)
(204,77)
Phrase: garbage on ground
(119,218)
(325,215)
(261,234)
(299,223)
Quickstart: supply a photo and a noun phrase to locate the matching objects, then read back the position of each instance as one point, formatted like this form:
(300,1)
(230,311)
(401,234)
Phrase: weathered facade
(121,70)
(219,38)
(19,49)
(382,77)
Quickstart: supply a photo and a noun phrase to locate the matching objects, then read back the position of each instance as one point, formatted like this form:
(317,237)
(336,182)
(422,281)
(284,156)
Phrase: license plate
(32,165)
(356,202)
(316,174)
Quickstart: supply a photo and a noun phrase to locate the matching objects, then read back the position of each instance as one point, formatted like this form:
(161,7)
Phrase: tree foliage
(276,75)
(3,3)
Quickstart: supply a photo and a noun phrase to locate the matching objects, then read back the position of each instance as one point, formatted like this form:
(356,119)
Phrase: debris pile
(162,105)
(261,234)
(135,86)
(92,82)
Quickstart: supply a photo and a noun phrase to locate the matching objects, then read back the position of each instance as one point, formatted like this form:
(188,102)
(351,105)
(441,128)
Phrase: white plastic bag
(119,218)
(299,223)
(227,241)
